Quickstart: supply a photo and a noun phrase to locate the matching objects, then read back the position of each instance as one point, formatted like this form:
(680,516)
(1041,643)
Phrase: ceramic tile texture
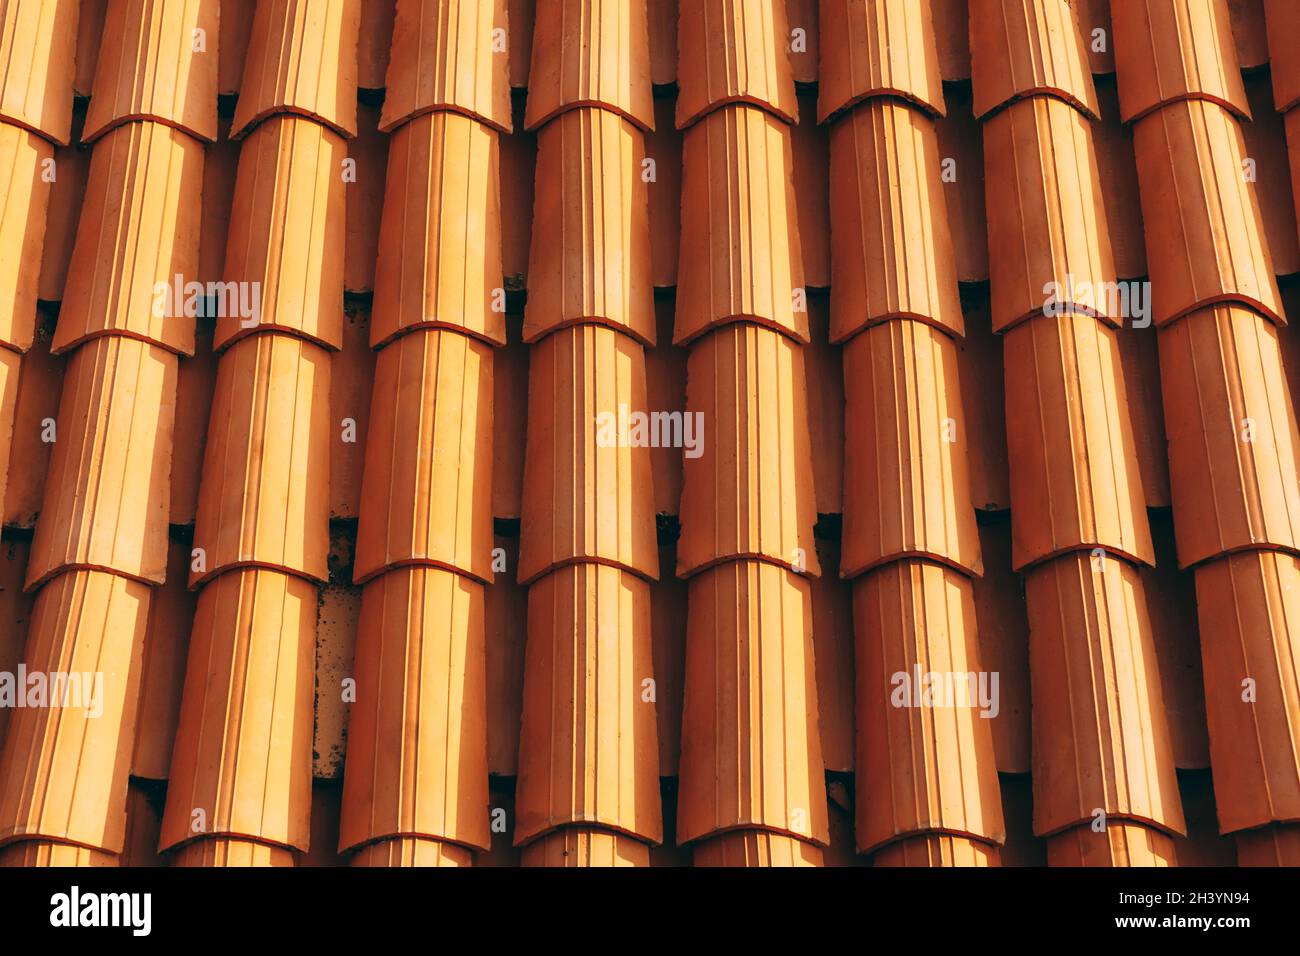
(650,432)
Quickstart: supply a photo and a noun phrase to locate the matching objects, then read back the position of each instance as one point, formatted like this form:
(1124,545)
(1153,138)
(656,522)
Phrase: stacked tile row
(588,784)
(927,785)
(239,788)
(752,791)
(100,548)
(1234,449)
(415,778)
(1104,784)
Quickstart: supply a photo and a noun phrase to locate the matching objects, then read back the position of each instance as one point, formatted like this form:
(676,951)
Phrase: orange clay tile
(352,373)
(24,199)
(832,608)
(588,493)
(38,45)
(747,490)
(733,51)
(369,151)
(1172,50)
(440,236)
(668,615)
(40,380)
(1028,48)
(90,30)
(590,53)
(411,851)
(264,498)
(510,420)
(961,151)
(41,853)
(287,233)
(236,25)
(811,150)
(108,489)
(1266,144)
(590,255)
(449,55)
(337,620)
(10,362)
(520,15)
(301,59)
(417,736)
(952,38)
(1283,18)
(664,146)
(1234,449)
(907,490)
(803,15)
(582,846)
(224,852)
(921,768)
(63,770)
(1045,213)
(1117,167)
(138,231)
(891,252)
(1250,649)
(662,18)
(1204,231)
(72,166)
(1075,481)
(745,848)
(1100,739)
(751,751)
(666,390)
(1140,358)
(1004,644)
(1269,846)
(1120,844)
(1171,602)
(374,38)
(194,383)
(241,765)
(1094,26)
(426,490)
(506,616)
(220,165)
(979,367)
(825,408)
(166,641)
(1250,33)
(937,849)
(740,262)
(16,608)
(157,62)
(877,48)
(518,166)
(588,752)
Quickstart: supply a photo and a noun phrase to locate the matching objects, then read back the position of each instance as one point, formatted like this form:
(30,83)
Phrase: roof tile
(743,848)
(1266,145)
(72,167)
(225,852)
(40,381)
(194,384)
(412,851)
(1094,16)
(961,143)
(374,40)
(810,147)
(1249,32)
(1278,845)
(1117,167)
(662,18)
(1283,18)
(24,199)
(236,28)
(878,48)
(979,368)
(38,40)
(9,370)
(1121,843)
(664,146)
(581,846)
(90,33)
(365,192)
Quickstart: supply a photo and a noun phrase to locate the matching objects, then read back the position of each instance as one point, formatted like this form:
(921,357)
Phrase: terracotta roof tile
(937,849)
(225,852)
(90,31)
(23,204)
(1119,844)
(878,48)
(664,146)
(10,362)
(220,166)
(733,51)
(157,62)
(961,141)
(195,381)
(1283,19)
(1117,167)
(374,40)
(236,28)
(810,145)
(662,18)
(1004,645)
(352,373)
(825,366)
(302,59)
(365,192)
(520,15)
(1094,16)
(666,389)
(590,53)
(1139,356)
(804,40)
(979,365)
(412,851)
(38,41)
(1266,145)
(744,848)
(1269,846)
(72,167)
(1172,50)
(509,422)
(1250,32)
(506,616)
(40,380)
(832,607)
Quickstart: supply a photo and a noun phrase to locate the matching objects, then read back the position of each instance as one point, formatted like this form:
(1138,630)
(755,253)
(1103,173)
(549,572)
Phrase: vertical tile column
(240,777)
(1105,791)
(588,788)
(752,790)
(1234,449)
(415,781)
(927,785)
(100,546)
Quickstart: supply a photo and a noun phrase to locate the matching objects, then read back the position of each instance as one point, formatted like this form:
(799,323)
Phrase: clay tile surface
(138,233)
(157,62)
(891,251)
(38,44)
(733,51)
(1170,50)
(24,200)
(739,262)
(1283,20)
(877,48)
(590,256)
(449,55)
(1028,48)
(301,59)
(590,53)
